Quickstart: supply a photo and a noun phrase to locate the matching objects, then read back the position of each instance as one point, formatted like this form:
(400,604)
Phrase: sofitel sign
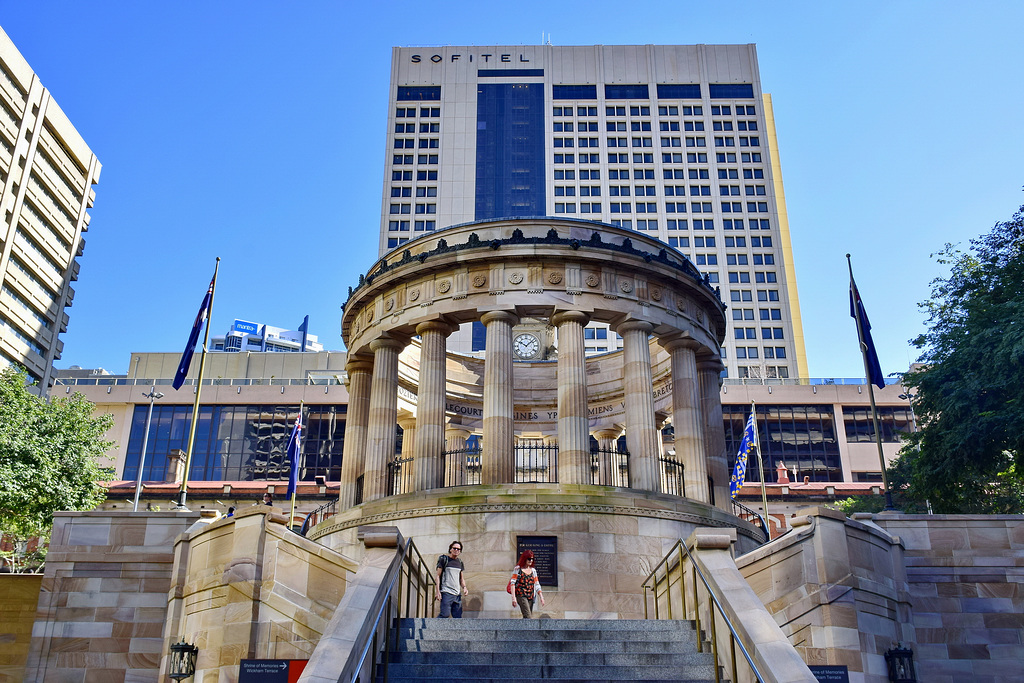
(506,58)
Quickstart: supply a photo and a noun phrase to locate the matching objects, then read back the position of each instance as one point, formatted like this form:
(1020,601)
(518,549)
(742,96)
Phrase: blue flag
(739,472)
(193,337)
(293,453)
(867,346)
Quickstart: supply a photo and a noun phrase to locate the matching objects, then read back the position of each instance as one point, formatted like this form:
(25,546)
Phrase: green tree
(969,393)
(49,453)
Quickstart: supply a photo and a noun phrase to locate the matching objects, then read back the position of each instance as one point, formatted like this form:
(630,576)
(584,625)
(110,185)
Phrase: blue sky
(256,131)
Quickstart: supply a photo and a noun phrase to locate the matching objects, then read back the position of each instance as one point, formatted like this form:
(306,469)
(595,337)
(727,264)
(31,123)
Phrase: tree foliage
(49,453)
(969,453)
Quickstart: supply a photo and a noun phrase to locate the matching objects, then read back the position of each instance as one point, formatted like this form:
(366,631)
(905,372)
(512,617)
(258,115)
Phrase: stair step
(623,645)
(554,650)
(546,624)
(516,672)
(549,658)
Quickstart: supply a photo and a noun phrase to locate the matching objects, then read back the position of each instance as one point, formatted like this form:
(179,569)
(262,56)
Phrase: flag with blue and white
(293,454)
(739,472)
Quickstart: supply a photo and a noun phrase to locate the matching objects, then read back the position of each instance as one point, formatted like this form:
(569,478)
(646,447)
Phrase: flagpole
(298,452)
(871,396)
(760,464)
(182,492)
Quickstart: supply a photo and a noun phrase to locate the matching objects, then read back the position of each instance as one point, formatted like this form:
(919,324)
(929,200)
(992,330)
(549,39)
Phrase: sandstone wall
(838,590)
(104,596)
(966,578)
(246,587)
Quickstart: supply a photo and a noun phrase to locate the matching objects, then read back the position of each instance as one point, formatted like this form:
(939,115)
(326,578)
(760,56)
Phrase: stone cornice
(335,525)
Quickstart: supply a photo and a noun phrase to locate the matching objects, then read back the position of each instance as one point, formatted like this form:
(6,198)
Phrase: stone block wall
(838,590)
(966,579)
(19,598)
(608,540)
(103,599)
(246,587)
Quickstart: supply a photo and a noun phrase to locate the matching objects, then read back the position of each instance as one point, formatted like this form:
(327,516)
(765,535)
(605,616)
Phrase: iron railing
(328,509)
(660,583)
(752,516)
(405,592)
(672,476)
(536,462)
(462,466)
(609,467)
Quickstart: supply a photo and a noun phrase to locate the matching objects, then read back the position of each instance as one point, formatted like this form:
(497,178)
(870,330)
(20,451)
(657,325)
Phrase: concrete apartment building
(46,177)
(675,142)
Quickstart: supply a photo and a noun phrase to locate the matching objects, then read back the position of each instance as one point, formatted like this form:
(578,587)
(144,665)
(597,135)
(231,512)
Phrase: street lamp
(183,660)
(152,396)
(909,398)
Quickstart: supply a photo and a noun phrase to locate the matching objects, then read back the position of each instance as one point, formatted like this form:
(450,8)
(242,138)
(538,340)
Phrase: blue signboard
(246,327)
(270,670)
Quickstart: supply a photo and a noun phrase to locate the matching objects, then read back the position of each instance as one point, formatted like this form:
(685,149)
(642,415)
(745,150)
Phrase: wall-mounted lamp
(183,660)
(900,661)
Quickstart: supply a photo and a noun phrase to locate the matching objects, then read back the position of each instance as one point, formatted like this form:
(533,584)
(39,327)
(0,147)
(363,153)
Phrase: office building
(675,142)
(46,177)
(249,336)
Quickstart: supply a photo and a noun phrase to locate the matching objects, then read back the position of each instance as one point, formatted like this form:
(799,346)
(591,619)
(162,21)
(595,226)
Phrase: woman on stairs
(525,586)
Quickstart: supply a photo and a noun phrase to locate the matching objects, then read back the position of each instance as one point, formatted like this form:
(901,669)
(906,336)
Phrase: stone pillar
(498,458)
(383,416)
(642,437)
(175,470)
(607,467)
(455,464)
(686,416)
(429,446)
(354,451)
(406,479)
(573,421)
(709,372)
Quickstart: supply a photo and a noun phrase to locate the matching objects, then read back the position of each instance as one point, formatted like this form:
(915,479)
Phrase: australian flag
(867,346)
(739,472)
(193,337)
(293,453)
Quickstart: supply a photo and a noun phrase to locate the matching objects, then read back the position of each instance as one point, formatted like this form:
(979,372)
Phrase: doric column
(498,458)
(380,431)
(429,446)
(641,434)
(573,422)
(709,371)
(455,465)
(354,451)
(404,474)
(686,416)
(607,466)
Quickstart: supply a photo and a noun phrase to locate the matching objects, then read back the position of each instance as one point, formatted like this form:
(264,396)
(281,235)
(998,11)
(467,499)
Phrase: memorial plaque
(270,670)
(830,673)
(545,556)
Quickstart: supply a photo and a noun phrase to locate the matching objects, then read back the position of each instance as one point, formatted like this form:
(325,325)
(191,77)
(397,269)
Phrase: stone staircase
(593,650)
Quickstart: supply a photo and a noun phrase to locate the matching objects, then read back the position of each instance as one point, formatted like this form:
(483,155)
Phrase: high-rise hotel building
(675,141)
(46,177)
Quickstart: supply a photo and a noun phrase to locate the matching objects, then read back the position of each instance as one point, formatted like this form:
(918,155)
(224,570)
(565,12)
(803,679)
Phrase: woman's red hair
(527,555)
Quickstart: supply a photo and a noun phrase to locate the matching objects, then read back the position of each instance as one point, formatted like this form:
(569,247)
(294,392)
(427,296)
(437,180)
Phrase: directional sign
(271,670)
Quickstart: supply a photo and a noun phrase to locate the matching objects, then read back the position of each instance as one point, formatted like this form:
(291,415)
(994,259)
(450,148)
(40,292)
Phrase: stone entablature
(534,268)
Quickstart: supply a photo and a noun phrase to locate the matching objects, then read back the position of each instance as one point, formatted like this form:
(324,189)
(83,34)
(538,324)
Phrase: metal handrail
(745,512)
(318,515)
(384,603)
(651,582)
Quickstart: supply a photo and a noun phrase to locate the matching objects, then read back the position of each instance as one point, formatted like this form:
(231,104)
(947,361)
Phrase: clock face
(525,346)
